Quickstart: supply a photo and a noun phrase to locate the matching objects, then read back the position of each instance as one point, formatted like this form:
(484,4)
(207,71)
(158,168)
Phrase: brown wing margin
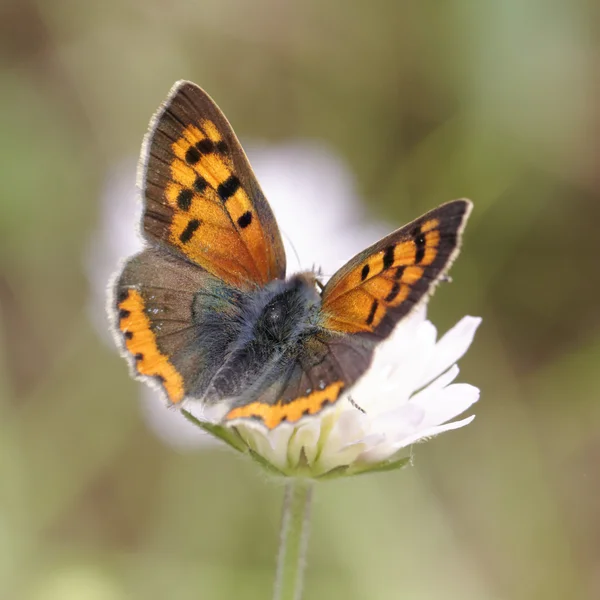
(381,285)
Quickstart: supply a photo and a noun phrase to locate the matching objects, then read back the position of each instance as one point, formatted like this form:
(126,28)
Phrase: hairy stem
(293,541)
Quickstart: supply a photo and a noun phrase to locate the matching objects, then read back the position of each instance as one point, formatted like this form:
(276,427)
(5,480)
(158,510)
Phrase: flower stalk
(293,542)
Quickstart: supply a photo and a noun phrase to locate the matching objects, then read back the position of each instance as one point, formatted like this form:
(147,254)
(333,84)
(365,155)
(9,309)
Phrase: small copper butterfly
(206,311)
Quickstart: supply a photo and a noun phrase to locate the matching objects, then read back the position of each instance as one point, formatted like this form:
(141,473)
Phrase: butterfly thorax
(265,333)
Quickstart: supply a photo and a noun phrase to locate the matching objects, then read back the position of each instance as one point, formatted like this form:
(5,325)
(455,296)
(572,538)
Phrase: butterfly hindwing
(174,321)
(327,366)
(382,284)
(201,197)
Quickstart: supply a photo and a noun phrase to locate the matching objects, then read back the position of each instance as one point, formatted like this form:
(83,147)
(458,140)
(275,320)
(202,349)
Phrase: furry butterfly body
(206,311)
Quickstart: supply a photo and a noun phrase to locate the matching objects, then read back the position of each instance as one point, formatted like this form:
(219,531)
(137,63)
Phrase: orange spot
(214,169)
(182,173)
(429,225)
(193,135)
(211,130)
(141,342)
(405,253)
(273,414)
(432,240)
(411,275)
(379,287)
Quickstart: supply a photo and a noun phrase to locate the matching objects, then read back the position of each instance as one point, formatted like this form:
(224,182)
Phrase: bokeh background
(402,105)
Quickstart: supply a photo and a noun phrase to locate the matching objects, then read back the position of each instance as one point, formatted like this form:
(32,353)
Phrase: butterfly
(205,310)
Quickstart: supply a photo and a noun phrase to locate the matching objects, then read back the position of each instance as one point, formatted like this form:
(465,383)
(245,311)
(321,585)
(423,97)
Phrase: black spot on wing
(393,292)
(388,257)
(245,220)
(192,156)
(365,272)
(200,184)
(228,188)
(372,313)
(205,146)
(188,232)
(399,272)
(420,243)
(184,199)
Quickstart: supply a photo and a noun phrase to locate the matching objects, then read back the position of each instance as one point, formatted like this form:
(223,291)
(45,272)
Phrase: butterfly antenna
(318,271)
(289,239)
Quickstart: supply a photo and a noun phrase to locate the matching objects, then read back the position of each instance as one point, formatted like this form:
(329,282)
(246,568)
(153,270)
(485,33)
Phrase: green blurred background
(424,101)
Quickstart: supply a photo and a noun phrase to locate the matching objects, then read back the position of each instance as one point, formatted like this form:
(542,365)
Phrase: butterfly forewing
(201,197)
(384,283)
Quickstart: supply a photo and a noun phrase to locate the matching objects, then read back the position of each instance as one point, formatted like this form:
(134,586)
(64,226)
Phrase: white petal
(374,439)
(444,380)
(304,440)
(344,456)
(451,347)
(377,453)
(447,403)
(400,422)
(272,445)
(431,432)
(398,365)
(350,426)
(441,382)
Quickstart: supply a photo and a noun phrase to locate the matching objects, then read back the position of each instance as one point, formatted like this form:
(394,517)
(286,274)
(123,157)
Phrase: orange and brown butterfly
(206,310)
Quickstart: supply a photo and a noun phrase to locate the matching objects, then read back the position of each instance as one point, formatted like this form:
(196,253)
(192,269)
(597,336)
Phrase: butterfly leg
(362,410)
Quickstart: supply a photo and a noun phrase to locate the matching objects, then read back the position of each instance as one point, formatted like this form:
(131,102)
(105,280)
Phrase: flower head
(407,395)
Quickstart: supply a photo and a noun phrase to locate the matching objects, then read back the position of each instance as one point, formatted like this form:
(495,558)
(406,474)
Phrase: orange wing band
(140,341)
(273,414)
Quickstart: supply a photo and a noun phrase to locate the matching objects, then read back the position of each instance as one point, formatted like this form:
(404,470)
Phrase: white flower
(407,395)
